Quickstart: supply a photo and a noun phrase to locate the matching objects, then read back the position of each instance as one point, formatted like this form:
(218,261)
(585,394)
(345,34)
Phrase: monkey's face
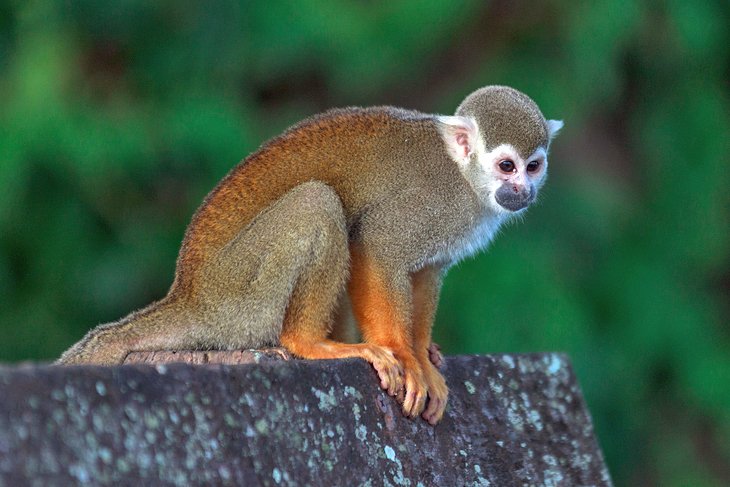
(511,181)
(505,179)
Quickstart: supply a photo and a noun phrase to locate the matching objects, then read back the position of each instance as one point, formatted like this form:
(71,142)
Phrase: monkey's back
(357,151)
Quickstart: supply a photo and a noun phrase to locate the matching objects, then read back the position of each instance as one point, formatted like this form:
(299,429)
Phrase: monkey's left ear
(460,135)
(554,127)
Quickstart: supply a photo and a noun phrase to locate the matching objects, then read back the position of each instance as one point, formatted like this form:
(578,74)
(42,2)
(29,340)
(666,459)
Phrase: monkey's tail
(110,343)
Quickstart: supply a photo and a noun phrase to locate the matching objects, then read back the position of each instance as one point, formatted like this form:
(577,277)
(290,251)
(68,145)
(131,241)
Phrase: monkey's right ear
(554,127)
(460,135)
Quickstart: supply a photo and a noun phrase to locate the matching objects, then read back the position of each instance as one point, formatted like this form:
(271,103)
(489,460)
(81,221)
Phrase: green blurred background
(116,118)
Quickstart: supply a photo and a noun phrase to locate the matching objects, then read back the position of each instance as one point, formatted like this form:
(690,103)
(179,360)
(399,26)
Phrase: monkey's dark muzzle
(513,197)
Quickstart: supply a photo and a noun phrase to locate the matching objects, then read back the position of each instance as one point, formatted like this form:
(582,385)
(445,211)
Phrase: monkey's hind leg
(310,250)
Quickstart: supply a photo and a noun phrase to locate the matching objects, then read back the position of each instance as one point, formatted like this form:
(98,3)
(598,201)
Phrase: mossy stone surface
(511,420)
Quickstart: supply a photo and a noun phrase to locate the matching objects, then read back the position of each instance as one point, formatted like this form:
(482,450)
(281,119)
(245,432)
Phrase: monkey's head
(500,140)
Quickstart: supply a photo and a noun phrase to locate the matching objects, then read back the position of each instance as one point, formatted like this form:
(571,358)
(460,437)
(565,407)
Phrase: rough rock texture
(233,357)
(512,420)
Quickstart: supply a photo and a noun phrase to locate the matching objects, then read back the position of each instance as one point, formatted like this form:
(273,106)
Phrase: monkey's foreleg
(426,286)
(382,302)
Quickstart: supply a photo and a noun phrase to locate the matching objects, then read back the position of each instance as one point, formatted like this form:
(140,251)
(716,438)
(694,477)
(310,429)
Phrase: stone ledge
(512,420)
(232,357)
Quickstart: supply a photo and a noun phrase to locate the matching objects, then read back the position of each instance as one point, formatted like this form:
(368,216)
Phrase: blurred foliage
(117,117)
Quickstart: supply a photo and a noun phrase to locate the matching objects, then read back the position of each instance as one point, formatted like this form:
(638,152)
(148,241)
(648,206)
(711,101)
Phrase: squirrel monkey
(373,202)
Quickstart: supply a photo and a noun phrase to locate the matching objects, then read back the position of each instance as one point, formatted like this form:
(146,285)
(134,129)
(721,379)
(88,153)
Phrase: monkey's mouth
(514,198)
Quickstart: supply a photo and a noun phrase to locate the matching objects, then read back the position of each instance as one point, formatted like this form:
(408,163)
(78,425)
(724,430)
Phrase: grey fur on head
(507,116)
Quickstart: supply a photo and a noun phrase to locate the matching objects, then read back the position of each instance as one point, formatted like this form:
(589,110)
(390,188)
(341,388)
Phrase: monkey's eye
(507,166)
(533,166)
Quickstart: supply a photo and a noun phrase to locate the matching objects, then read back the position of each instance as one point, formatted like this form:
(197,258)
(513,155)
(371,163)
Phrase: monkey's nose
(514,197)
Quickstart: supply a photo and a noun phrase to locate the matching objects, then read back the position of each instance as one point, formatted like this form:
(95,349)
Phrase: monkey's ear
(460,135)
(554,127)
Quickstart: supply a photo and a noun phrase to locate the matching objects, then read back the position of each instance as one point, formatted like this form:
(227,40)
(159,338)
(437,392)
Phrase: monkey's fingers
(388,378)
(435,355)
(435,410)
(389,369)
(438,394)
(401,396)
(416,393)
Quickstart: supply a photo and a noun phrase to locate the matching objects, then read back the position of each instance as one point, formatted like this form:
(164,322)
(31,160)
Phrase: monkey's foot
(438,394)
(389,369)
(435,355)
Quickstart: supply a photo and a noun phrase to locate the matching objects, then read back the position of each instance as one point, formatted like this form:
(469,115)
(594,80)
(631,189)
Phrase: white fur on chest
(475,239)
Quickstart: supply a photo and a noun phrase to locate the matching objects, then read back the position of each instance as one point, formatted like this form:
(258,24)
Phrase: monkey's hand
(389,369)
(415,391)
(438,394)
(435,355)
(423,382)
